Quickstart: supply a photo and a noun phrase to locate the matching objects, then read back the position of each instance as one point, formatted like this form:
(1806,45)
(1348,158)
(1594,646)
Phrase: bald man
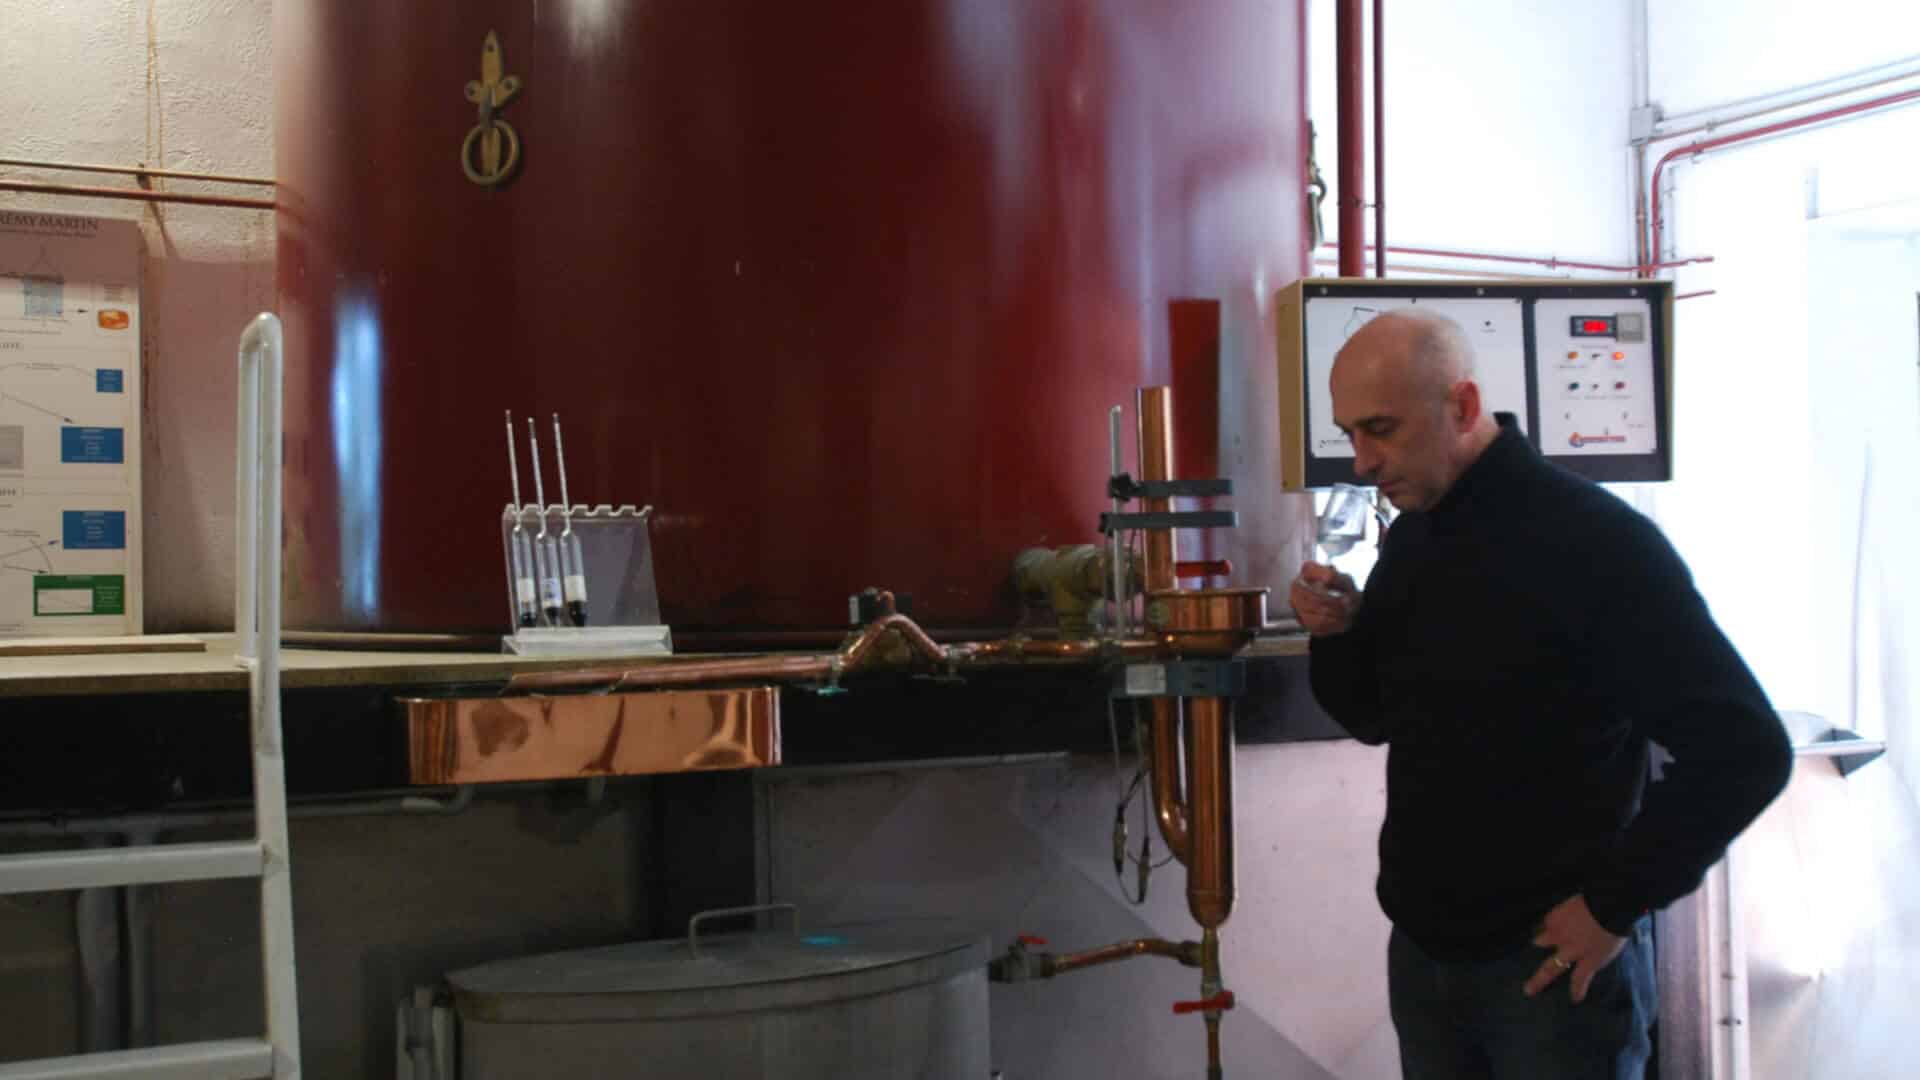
(1523,638)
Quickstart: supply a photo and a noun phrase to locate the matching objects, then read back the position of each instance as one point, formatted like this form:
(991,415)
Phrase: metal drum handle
(693,924)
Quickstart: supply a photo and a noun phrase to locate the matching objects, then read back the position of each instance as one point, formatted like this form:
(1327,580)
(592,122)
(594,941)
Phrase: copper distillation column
(1196,817)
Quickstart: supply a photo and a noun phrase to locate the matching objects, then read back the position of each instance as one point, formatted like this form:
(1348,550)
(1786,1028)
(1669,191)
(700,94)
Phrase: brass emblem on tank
(492,135)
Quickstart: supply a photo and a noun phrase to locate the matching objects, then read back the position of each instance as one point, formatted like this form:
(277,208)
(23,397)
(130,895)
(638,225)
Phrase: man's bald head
(1403,391)
(1423,350)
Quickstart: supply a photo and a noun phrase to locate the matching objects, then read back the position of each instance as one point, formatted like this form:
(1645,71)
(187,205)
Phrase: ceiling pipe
(1643,113)
(1551,261)
(1657,228)
(1697,120)
(1379,139)
(87,192)
(1422,269)
(1352,147)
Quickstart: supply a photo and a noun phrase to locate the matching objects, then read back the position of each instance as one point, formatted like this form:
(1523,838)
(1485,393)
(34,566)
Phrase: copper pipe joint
(1208,621)
(1187,952)
(1210,874)
(1168,804)
(1155,408)
(857,651)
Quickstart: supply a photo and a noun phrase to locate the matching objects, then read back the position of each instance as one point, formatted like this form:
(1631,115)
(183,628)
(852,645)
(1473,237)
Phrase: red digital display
(1592,326)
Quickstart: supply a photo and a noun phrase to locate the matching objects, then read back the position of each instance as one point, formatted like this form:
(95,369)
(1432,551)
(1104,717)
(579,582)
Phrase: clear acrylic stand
(623,606)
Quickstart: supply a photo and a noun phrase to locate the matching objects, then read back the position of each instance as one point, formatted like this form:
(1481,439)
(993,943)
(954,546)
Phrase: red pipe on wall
(1704,145)
(1352,178)
(1379,139)
(1543,260)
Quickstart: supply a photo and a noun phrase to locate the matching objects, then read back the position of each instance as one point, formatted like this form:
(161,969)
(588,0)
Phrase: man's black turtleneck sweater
(1518,646)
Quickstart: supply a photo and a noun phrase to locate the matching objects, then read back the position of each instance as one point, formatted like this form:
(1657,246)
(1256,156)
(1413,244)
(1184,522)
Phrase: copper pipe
(860,653)
(1187,952)
(1155,409)
(801,668)
(771,640)
(82,191)
(796,667)
(1210,878)
(1168,805)
(1352,177)
(1018,648)
(1213,1046)
(128,170)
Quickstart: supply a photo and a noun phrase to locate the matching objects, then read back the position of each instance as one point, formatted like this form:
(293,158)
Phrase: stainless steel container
(904,999)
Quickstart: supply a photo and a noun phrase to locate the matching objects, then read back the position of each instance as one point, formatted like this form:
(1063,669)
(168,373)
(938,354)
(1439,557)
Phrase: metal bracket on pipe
(1181,678)
(1172,519)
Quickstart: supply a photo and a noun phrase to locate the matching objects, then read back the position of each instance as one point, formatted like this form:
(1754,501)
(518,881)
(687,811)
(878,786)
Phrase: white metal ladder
(257,631)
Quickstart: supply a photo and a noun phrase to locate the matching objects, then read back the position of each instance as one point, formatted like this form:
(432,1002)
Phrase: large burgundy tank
(843,288)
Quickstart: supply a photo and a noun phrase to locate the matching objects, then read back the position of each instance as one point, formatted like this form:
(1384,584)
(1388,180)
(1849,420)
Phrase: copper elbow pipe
(1187,952)
(856,652)
(1210,877)
(1155,408)
(1168,805)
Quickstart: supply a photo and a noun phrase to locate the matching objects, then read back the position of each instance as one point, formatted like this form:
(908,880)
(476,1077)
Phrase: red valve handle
(1029,939)
(1222,1000)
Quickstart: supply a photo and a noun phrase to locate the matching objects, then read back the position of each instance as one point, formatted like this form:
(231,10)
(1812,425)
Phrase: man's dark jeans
(1472,1019)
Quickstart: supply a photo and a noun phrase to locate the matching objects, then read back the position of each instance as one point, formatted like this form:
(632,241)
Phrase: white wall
(1766,453)
(177,84)
(1506,125)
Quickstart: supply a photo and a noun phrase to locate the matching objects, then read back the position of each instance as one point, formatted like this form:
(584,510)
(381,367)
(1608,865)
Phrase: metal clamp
(693,924)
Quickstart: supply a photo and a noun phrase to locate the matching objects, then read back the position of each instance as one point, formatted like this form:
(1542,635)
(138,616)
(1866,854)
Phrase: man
(1522,638)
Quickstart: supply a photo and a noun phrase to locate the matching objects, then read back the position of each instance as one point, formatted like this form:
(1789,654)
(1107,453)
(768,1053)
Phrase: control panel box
(1585,367)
